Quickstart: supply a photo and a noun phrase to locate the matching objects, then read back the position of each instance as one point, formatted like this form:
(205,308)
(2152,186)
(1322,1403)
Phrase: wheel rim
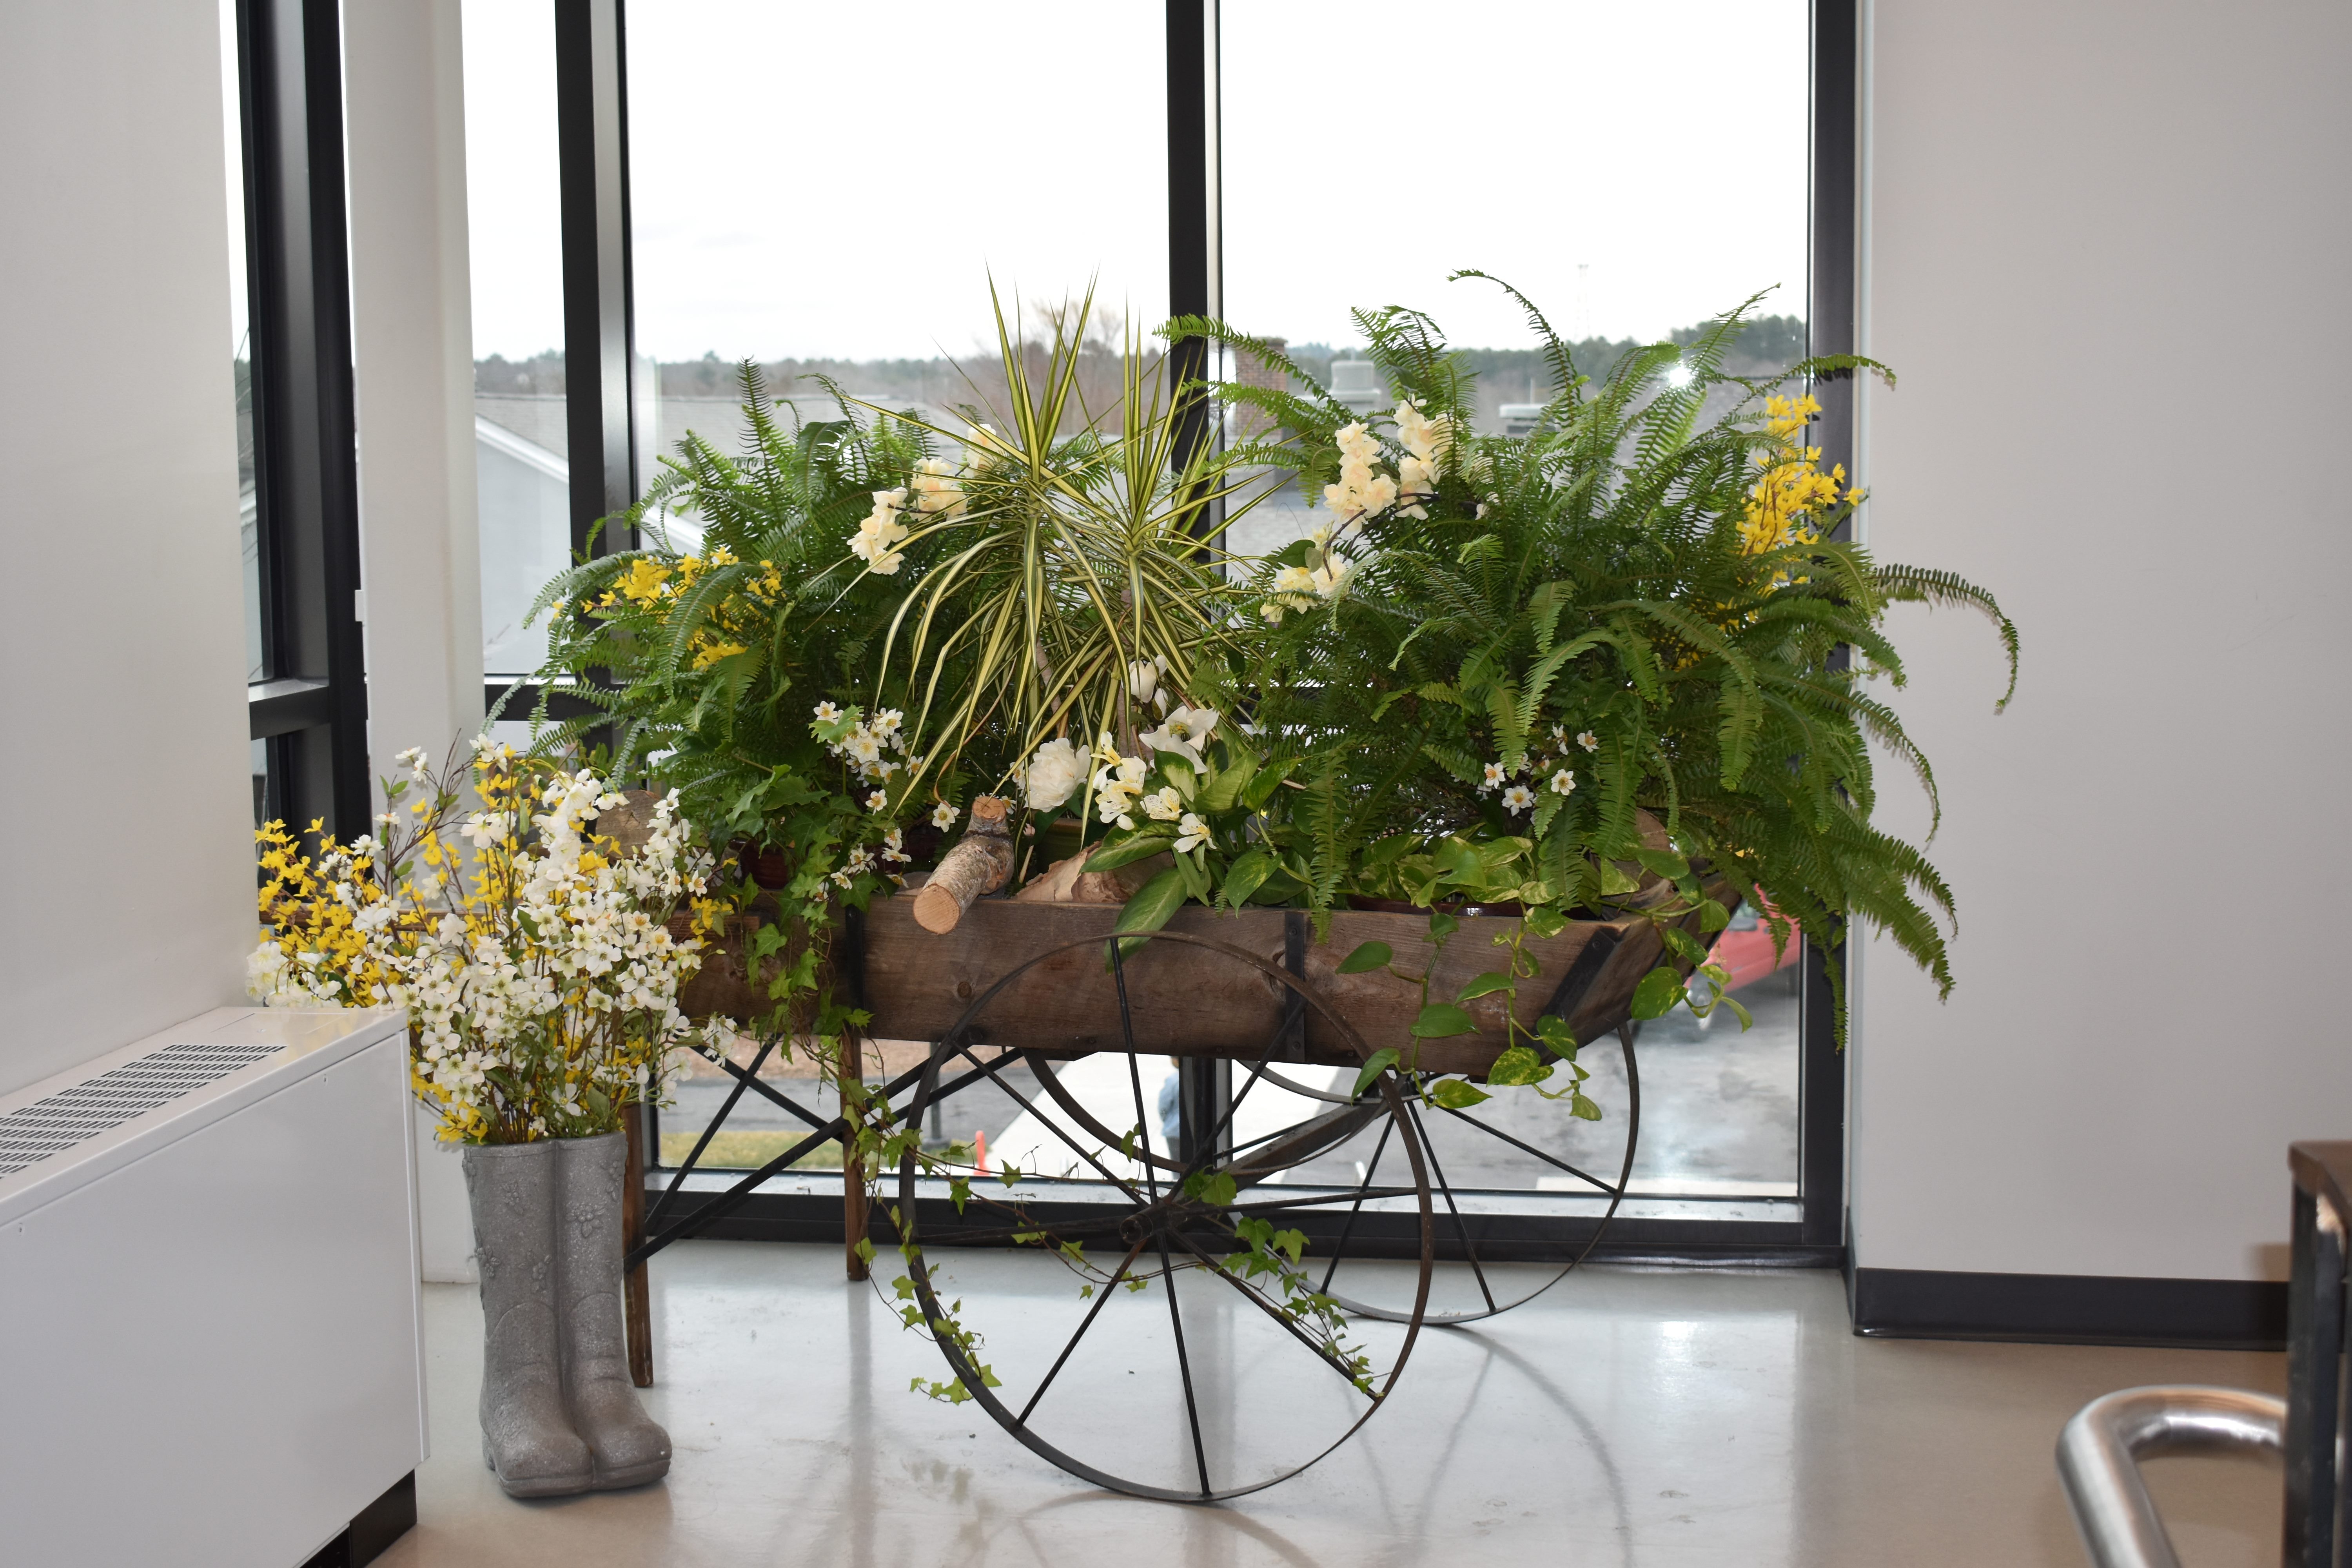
(1168,1239)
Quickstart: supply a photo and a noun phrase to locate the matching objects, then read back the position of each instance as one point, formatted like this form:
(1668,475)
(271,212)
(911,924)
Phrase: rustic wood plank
(1185,1002)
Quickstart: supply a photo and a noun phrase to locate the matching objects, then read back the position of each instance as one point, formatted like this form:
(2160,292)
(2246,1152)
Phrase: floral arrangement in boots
(533,955)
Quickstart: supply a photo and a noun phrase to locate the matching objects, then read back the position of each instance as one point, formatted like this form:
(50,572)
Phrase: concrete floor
(1629,1417)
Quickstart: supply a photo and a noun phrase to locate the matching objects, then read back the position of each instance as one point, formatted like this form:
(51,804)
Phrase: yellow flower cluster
(540,984)
(653,584)
(1783,501)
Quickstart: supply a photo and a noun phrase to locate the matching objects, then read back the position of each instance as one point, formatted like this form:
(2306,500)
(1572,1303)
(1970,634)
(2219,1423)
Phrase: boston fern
(1494,652)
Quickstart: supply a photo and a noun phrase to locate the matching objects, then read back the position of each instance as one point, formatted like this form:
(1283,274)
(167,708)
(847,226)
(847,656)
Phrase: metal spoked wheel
(1165,1359)
(1482,1162)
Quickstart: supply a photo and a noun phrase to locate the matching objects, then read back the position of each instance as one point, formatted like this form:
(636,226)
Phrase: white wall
(413,362)
(2105,247)
(412,351)
(128,900)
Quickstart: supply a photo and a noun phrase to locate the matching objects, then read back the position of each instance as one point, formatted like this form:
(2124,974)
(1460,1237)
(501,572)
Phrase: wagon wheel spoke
(1437,1175)
(1101,1299)
(1363,1190)
(1525,1148)
(1266,1305)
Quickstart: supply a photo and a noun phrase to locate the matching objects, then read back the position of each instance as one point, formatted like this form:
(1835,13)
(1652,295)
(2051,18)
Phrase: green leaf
(1544,925)
(1442,925)
(1142,846)
(1663,863)
(1655,996)
(1371,955)
(1712,916)
(1683,943)
(1486,984)
(1553,1031)
(1518,1066)
(1215,1188)
(1585,1109)
(1441,1020)
(1747,1019)
(1379,1062)
(1614,880)
(1246,875)
(1151,907)
(1224,791)
(1459,1094)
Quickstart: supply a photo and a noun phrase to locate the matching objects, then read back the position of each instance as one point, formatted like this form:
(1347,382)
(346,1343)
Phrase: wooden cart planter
(1035,986)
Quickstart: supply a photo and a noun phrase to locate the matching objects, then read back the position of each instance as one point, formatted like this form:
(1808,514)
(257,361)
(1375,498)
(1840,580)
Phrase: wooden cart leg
(853,1169)
(632,1233)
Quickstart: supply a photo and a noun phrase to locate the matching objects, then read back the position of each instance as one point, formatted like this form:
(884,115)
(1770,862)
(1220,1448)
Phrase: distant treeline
(1767,345)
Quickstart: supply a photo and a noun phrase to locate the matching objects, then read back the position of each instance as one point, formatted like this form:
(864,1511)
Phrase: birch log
(980,863)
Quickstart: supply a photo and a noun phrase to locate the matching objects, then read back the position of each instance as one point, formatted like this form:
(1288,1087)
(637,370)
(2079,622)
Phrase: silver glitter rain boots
(527,1434)
(629,1446)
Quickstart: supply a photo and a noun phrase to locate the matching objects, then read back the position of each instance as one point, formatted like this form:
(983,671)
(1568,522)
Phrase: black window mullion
(592,136)
(306,468)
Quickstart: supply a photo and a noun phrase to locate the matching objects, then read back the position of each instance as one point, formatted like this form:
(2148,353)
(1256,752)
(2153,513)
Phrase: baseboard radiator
(210,1338)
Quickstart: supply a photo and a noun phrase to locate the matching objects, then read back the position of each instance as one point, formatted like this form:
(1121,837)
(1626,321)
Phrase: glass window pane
(240,341)
(515,220)
(866,255)
(786,208)
(1635,171)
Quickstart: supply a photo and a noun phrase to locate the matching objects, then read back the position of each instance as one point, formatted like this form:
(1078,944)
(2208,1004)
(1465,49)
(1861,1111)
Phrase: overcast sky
(820,180)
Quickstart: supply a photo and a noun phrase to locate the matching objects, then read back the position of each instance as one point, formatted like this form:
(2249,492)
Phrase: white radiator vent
(57,1123)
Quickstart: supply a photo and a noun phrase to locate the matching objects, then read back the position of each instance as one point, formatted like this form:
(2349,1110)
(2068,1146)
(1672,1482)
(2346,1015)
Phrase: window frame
(310,708)
(599,316)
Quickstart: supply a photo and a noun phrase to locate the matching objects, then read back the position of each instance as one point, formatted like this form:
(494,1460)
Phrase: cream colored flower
(1163,805)
(1564,781)
(1518,797)
(1053,775)
(943,816)
(1191,834)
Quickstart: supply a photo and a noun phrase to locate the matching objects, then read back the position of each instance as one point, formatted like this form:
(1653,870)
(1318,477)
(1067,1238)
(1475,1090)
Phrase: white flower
(485,828)
(1143,680)
(1053,775)
(936,489)
(1564,781)
(1294,579)
(827,714)
(1495,773)
(880,531)
(878,800)
(1330,580)
(1271,612)
(1185,730)
(862,745)
(943,815)
(1163,805)
(1518,797)
(1116,784)
(885,724)
(1588,741)
(1191,834)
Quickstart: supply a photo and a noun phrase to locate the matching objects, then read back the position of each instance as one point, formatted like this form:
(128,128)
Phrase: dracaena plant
(1494,652)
